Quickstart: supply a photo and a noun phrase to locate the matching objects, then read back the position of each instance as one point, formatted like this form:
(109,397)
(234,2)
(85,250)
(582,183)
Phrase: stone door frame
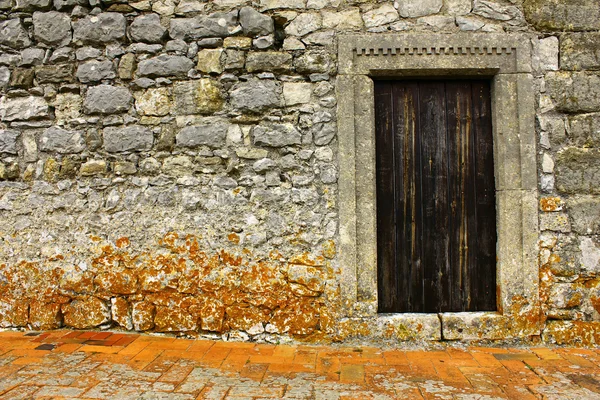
(506,60)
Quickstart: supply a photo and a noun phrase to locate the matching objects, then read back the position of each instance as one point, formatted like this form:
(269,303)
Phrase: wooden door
(436,215)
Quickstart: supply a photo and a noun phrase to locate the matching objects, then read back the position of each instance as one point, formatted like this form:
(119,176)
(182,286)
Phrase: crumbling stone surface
(174,166)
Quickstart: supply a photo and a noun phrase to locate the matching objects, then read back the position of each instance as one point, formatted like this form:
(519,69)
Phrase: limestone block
(493,10)
(95,71)
(585,215)
(165,65)
(52,28)
(256,95)
(147,29)
(173,319)
(201,96)
(209,61)
(55,73)
(13,34)
(85,312)
(120,312)
(574,92)
(106,99)
(100,29)
(560,15)
(273,4)
(218,24)
(275,135)
(270,61)
(304,24)
(4,77)
(23,108)
(209,134)
(590,253)
(13,312)
(474,326)
(578,171)
(314,61)
(32,56)
(127,66)
(459,7)
(142,315)
(55,139)
(129,138)
(93,167)
(349,19)
(548,53)
(21,78)
(296,93)
(310,277)
(155,101)
(67,106)
(580,51)
(44,316)
(254,23)
(557,222)
(8,141)
(237,42)
(387,13)
(31,5)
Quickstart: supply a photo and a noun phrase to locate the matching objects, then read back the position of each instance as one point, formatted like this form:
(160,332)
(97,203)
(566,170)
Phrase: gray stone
(263,165)
(13,34)
(275,135)
(256,95)
(126,139)
(321,38)
(296,93)
(165,65)
(578,171)
(62,54)
(209,134)
(467,23)
(55,73)
(106,99)
(8,141)
(418,8)
(225,182)
(314,61)
(100,29)
(557,222)
(580,51)
(273,4)
(304,24)
(264,42)
(574,92)
(254,23)
(584,130)
(178,46)
(66,4)
(271,61)
(147,28)
(55,139)
(349,19)
(590,255)
(559,15)
(86,53)
(548,53)
(32,56)
(21,78)
(202,96)
(492,10)
(585,215)
(23,108)
(218,24)
(323,133)
(210,43)
(329,174)
(4,77)
(52,28)
(95,71)
(458,7)
(32,5)
(234,59)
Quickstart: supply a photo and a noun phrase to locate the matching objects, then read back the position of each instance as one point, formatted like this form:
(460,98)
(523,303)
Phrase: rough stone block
(557,222)
(126,139)
(173,319)
(165,65)
(209,134)
(560,15)
(574,92)
(13,312)
(85,312)
(95,71)
(473,326)
(31,5)
(572,333)
(459,7)
(296,93)
(52,28)
(254,23)
(13,34)
(142,315)
(8,141)
(493,10)
(590,253)
(4,77)
(270,61)
(580,51)
(202,96)
(106,99)
(548,53)
(121,313)
(304,24)
(155,101)
(93,167)
(100,29)
(256,95)
(55,73)
(276,135)
(585,214)
(147,29)
(314,61)
(578,171)
(23,108)
(412,9)
(21,78)
(44,316)
(349,19)
(218,24)
(55,139)
(209,61)
(584,130)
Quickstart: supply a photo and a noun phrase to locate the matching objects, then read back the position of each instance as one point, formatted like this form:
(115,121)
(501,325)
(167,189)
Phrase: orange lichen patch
(233,238)
(122,242)
(307,259)
(574,333)
(329,250)
(245,316)
(85,312)
(549,204)
(595,303)
(44,315)
(95,238)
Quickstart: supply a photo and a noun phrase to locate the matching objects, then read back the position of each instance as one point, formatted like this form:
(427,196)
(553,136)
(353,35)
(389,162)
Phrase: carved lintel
(443,51)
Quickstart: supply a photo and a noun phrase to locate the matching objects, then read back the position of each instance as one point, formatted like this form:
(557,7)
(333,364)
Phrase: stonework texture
(173,166)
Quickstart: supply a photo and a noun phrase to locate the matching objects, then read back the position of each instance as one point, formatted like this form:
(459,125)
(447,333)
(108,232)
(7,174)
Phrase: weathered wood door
(436,218)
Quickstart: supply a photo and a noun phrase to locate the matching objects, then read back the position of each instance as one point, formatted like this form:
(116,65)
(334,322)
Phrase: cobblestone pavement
(110,365)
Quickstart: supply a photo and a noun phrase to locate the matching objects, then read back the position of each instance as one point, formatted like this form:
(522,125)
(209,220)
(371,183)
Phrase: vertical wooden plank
(386,250)
(483,292)
(434,185)
(458,105)
(407,197)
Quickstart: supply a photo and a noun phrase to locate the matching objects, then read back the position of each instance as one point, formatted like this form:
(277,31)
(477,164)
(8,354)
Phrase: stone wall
(172,165)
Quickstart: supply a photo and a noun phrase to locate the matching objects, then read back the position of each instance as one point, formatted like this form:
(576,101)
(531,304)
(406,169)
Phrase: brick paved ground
(106,365)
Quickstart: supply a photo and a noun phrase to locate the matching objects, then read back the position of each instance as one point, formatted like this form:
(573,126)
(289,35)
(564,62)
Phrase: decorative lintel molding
(419,51)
